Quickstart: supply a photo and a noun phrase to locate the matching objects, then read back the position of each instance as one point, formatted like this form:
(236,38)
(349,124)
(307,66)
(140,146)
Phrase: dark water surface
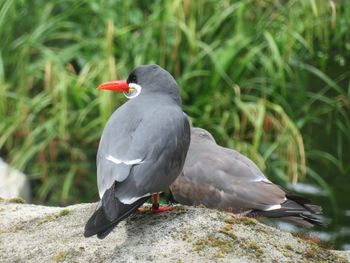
(336,210)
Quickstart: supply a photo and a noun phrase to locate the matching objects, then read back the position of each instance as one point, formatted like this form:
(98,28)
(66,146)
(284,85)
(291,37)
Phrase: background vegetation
(269,78)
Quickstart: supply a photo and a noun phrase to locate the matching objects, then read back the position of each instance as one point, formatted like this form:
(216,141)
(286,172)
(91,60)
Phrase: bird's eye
(132,78)
(134,91)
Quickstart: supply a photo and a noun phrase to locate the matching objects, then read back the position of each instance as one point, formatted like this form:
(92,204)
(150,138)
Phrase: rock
(30,233)
(13,183)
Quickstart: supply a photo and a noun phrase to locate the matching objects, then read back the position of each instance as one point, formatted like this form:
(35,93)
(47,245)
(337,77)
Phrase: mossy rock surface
(30,233)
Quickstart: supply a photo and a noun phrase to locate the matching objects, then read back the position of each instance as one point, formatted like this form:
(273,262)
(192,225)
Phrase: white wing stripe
(261,180)
(128,201)
(127,162)
(273,207)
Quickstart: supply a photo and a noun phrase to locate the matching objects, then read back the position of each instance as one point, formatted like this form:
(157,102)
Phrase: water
(327,137)
(336,210)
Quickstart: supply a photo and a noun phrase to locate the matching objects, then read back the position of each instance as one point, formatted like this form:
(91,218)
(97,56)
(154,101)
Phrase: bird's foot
(160,209)
(155,209)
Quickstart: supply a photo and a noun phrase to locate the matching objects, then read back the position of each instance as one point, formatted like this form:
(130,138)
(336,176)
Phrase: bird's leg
(156,208)
(155,204)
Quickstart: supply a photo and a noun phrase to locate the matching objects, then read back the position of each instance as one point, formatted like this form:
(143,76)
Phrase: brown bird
(221,178)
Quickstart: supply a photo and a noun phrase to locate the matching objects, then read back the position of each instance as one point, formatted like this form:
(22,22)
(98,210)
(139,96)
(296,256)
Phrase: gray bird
(142,149)
(221,178)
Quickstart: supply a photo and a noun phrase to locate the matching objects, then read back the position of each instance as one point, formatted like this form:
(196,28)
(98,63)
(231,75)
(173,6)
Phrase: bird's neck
(159,98)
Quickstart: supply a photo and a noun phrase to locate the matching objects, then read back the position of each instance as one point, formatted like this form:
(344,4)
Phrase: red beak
(116,85)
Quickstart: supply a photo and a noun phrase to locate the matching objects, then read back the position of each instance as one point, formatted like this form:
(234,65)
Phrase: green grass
(270,78)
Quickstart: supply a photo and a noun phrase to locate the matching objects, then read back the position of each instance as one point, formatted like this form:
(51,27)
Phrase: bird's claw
(163,209)
(158,209)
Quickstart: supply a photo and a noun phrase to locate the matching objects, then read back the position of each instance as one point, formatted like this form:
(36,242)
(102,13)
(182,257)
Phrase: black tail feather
(314,209)
(109,214)
(295,209)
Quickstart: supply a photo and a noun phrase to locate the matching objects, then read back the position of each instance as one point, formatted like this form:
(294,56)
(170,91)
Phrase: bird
(142,148)
(222,178)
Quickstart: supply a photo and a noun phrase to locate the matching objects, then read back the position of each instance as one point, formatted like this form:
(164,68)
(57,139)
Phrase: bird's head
(143,80)
(201,134)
